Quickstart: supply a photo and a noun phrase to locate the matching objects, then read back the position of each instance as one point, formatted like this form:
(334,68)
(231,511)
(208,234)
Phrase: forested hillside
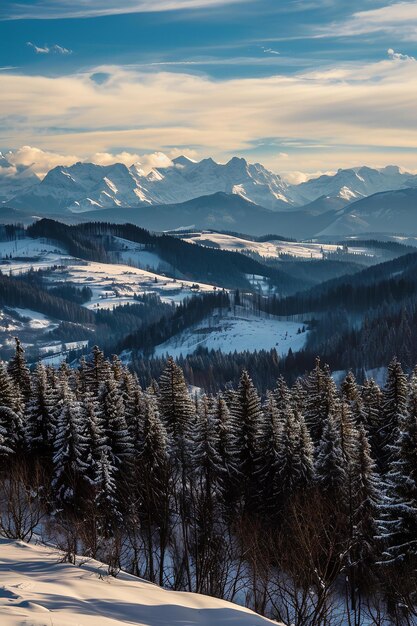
(300,503)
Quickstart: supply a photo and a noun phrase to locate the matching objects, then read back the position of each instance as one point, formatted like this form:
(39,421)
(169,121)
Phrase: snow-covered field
(16,257)
(271,249)
(37,321)
(136,254)
(37,590)
(114,284)
(243,331)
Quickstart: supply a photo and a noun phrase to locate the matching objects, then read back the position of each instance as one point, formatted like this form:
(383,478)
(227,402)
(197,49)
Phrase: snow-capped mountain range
(84,187)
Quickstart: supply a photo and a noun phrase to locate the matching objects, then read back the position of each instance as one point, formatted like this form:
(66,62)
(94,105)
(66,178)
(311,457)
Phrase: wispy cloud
(270,51)
(55,49)
(397,18)
(50,9)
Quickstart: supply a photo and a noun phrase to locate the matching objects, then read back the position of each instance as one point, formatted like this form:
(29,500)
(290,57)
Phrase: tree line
(300,503)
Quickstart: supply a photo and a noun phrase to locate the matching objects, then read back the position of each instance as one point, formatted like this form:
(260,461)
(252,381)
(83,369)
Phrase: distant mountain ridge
(237,195)
(86,187)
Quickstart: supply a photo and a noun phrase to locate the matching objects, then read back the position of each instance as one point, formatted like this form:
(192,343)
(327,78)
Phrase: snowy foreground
(37,590)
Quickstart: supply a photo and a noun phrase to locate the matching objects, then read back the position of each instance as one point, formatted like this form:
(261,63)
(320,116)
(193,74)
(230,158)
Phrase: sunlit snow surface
(37,590)
(240,331)
(268,249)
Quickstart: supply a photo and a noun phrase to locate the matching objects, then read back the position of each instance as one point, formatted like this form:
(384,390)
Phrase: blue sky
(301,85)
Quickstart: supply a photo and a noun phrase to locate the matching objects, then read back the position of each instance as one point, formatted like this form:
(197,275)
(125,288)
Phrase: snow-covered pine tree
(105,499)
(11,418)
(117,368)
(399,509)
(330,465)
(371,402)
(97,369)
(19,370)
(112,414)
(205,455)
(8,391)
(69,465)
(366,500)
(5,450)
(227,450)
(269,455)
(154,485)
(247,419)
(320,398)
(393,409)
(282,395)
(352,396)
(41,415)
(93,430)
(295,459)
(175,405)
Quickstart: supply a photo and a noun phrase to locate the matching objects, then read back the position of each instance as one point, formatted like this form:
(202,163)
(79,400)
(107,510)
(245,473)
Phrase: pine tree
(205,455)
(282,395)
(352,396)
(154,484)
(399,525)
(8,392)
(11,418)
(93,431)
(112,414)
(41,414)
(228,452)
(246,413)
(19,370)
(330,465)
(394,406)
(320,400)
(5,449)
(371,401)
(106,492)
(270,449)
(69,451)
(366,501)
(175,405)
(95,371)
(295,459)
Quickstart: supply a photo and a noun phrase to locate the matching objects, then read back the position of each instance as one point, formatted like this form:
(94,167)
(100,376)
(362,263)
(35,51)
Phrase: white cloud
(270,51)
(327,116)
(50,9)
(55,49)
(41,161)
(38,49)
(398,56)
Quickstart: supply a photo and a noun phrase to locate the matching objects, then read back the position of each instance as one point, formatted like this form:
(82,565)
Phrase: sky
(302,86)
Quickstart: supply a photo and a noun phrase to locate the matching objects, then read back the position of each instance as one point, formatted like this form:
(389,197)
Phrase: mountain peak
(183,160)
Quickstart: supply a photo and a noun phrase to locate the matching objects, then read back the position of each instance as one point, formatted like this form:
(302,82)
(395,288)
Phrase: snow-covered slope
(240,330)
(187,179)
(14,179)
(37,590)
(267,249)
(82,187)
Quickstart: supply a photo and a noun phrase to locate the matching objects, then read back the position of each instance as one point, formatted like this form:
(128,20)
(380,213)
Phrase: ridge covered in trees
(300,502)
